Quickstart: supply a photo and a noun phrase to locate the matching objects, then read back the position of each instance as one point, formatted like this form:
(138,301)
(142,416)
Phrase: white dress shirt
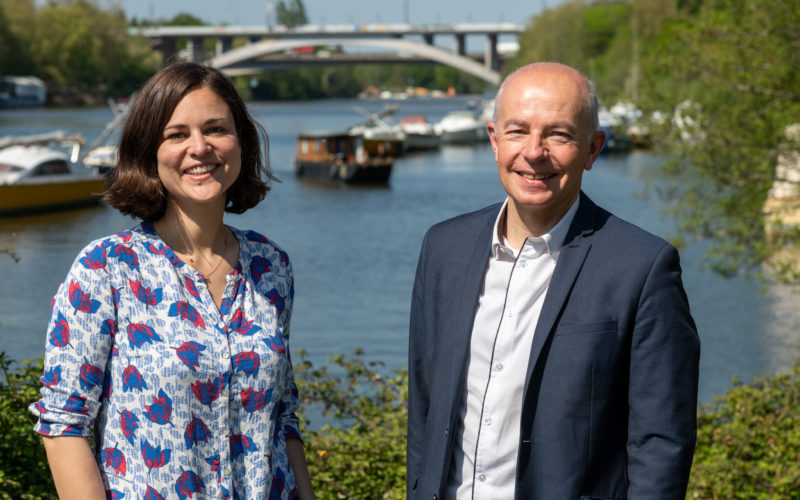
(514,288)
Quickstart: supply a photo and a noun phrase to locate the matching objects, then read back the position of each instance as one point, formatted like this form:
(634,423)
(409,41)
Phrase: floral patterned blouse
(186,400)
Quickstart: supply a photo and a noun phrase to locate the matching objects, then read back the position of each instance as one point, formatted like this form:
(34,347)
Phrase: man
(552,353)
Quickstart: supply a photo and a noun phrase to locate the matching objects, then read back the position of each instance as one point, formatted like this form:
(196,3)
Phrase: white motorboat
(35,176)
(461,127)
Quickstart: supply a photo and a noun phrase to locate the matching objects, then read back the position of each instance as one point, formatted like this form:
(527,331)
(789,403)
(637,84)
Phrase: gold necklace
(191,259)
(221,257)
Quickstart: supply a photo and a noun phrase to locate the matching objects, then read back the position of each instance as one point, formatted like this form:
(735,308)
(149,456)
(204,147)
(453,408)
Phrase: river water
(354,250)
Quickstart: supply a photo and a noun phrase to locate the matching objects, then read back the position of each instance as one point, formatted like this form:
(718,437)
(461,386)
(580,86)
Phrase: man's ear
(596,144)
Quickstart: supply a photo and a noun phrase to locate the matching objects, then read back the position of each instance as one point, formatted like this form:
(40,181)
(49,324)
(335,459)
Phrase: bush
(362,456)
(24,473)
(748,442)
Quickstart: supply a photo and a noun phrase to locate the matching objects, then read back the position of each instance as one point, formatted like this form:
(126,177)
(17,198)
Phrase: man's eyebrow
(513,122)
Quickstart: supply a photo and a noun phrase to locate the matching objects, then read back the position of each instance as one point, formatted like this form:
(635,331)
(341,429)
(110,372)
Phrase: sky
(254,12)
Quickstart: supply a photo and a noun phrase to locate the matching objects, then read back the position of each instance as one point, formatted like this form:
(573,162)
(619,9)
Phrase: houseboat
(22,91)
(340,157)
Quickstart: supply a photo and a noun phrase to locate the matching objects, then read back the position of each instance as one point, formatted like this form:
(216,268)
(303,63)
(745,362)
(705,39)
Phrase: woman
(169,340)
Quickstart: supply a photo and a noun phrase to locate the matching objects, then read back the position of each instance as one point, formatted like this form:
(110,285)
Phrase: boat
(339,157)
(420,135)
(102,152)
(380,137)
(22,91)
(461,127)
(35,176)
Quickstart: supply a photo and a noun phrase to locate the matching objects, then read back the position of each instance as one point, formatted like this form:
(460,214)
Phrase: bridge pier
(460,47)
(194,49)
(223,44)
(428,37)
(491,57)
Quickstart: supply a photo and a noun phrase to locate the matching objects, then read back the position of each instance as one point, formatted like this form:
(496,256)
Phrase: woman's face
(199,157)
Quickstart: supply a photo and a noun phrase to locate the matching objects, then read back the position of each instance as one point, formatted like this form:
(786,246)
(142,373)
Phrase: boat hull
(42,197)
(351,173)
(469,135)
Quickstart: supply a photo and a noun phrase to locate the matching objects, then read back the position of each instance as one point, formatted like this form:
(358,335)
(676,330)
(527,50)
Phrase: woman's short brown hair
(134,186)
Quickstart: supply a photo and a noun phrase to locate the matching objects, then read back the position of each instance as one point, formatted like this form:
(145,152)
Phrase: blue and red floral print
(186,400)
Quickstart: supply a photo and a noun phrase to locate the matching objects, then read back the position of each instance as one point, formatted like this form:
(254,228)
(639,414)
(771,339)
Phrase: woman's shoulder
(97,253)
(257,243)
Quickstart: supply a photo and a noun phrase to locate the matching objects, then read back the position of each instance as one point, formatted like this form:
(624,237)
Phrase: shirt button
(482,478)
(498,367)
(221,325)
(225,393)
(226,354)
(487,421)
(226,471)
(523,264)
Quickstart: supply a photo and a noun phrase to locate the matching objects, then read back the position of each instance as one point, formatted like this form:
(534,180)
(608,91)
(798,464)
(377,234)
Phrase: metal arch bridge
(264,42)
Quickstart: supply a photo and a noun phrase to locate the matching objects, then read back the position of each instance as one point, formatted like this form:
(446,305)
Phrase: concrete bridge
(248,50)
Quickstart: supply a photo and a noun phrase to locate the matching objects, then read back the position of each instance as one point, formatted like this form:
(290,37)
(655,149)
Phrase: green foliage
(363,455)
(291,13)
(348,81)
(24,473)
(73,44)
(748,442)
(732,73)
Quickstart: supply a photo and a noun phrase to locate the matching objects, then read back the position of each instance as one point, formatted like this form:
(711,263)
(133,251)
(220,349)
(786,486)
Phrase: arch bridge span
(276,43)
(229,61)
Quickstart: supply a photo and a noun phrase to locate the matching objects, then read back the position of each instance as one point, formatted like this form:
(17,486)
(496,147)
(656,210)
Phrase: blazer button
(435,497)
(445,432)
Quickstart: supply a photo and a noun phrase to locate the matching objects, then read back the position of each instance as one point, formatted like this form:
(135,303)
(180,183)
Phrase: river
(354,250)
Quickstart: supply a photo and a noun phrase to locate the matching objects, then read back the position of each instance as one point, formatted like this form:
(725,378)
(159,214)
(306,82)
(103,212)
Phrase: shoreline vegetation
(748,440)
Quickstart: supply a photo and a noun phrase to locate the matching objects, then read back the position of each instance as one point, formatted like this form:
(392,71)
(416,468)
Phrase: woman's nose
(198,144)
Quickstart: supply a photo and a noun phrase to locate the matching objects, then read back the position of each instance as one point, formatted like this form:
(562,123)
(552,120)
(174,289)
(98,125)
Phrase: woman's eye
(176,136)
(216,130)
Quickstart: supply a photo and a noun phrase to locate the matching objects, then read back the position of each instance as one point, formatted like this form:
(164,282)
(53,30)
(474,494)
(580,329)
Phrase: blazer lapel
(469,292)
(570,261)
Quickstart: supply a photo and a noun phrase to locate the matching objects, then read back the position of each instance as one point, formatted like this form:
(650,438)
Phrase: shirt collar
(553,239)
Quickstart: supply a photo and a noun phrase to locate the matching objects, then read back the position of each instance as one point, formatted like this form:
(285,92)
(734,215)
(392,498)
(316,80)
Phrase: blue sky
(254,12)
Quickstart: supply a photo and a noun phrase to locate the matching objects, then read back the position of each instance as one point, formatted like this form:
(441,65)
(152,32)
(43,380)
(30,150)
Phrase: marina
(354,249)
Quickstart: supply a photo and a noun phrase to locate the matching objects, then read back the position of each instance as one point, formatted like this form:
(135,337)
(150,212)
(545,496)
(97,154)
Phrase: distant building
(22,91)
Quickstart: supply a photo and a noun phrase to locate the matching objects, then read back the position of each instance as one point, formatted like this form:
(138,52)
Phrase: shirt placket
(222,366)
(487,434)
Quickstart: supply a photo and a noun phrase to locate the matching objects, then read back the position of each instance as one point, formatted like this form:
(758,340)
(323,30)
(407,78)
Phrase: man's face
(541,142)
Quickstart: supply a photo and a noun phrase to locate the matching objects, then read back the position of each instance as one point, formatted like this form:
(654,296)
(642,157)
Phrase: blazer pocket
(594,327)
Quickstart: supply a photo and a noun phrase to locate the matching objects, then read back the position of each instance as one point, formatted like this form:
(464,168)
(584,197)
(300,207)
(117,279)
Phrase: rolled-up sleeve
(78,345)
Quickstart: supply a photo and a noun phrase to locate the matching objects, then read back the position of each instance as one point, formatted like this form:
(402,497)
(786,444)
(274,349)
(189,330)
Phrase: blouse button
(226,354)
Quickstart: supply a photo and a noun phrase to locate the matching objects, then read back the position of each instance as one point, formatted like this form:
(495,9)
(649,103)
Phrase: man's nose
(534,148)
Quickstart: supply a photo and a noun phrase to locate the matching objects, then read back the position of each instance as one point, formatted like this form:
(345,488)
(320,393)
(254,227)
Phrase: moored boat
(339,157)
(461,127)
(22,91)
(36,178)
(419,133)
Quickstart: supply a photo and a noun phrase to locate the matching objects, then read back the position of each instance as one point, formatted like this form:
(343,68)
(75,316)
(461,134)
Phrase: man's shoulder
(607,226)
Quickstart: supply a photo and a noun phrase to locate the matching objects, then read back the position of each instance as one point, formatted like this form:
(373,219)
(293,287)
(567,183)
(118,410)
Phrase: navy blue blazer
(610,399)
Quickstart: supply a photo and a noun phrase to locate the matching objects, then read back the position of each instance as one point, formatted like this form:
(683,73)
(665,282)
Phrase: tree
(291,13)
(73,43)
(731,72)
(15,58)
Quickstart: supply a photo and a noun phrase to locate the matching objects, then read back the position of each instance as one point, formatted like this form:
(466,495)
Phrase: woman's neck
(199,233)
